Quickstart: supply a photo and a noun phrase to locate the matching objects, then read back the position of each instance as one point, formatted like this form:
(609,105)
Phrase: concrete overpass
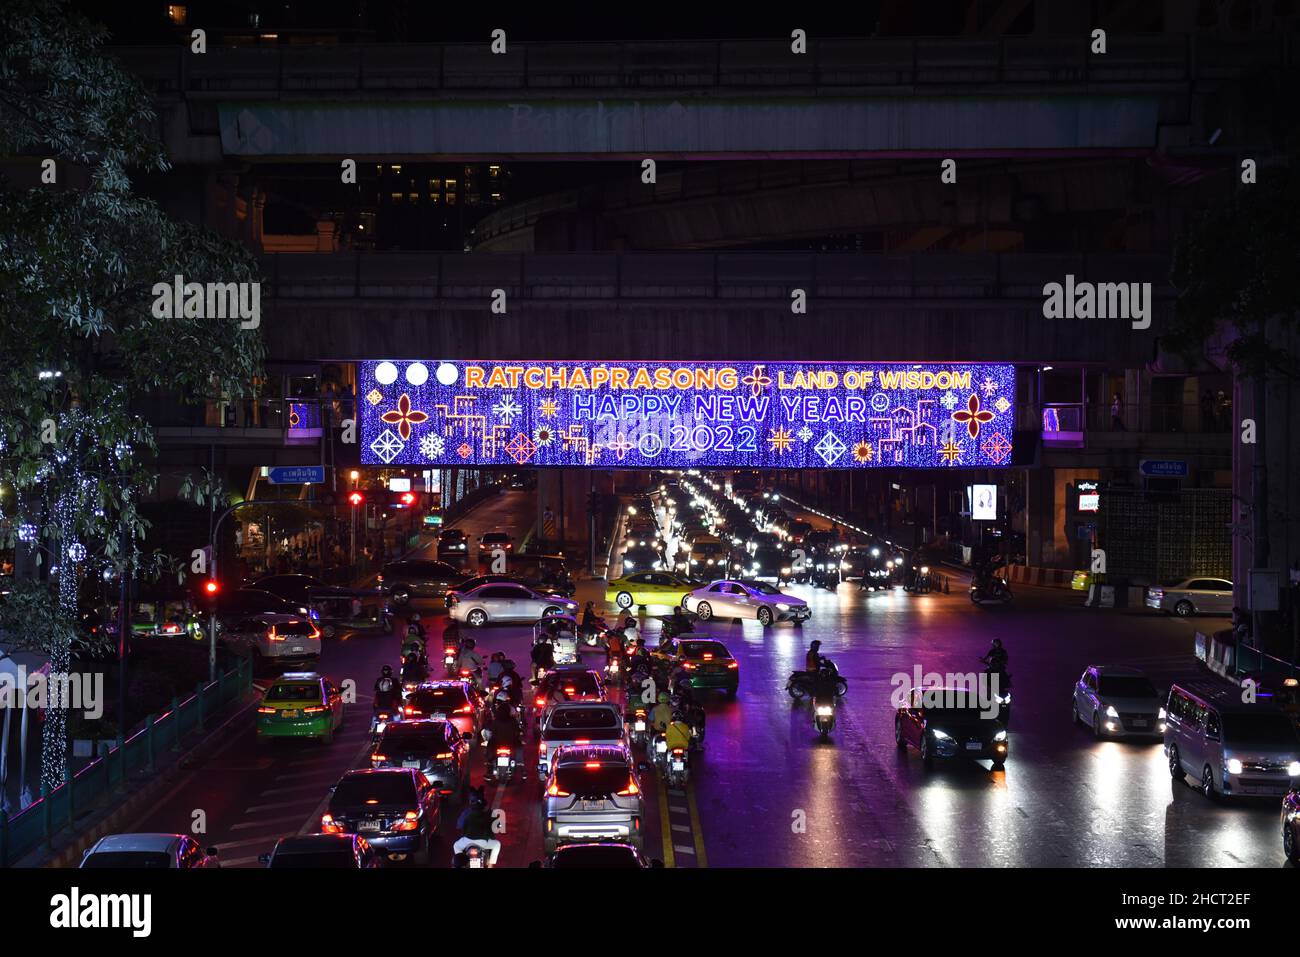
(851,98)
(697,305)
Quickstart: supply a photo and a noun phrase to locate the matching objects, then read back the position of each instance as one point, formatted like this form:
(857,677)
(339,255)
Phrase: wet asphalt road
(769,792)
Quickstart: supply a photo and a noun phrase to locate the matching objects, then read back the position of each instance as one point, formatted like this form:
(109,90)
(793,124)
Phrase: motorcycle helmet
(507,681)
(387,671)
(415,616)
(997,642)
(663,697)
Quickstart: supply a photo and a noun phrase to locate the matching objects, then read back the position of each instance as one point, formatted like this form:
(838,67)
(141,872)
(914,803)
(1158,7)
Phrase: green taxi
(649,588)
(705,660)
(300,705)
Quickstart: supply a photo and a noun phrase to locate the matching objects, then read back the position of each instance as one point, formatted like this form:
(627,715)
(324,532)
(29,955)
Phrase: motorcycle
(639,721)
(474,856)
(380,720)
(614,670)
(659,752)
(999,682)
(503,766)
(824,716)
(677,767)
(989,588)
(801,683)
(823,577)
(449,658)
(917,579)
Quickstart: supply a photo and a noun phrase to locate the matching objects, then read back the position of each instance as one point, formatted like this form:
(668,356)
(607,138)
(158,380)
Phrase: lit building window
(496,197)
(494,171)
(412,197)
(177,13)
(395,169)
(435,184)
(451,199)
(394,197)
(434,198)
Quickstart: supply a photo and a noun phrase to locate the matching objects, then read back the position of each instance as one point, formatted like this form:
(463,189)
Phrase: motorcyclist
(825,683)
(996,658)
(415,627)
(504,733)
(589,616)
(496,665)
(614,646)
(542,655)
(638,656)
(812,660)
(625,621)
(661,715)
(475,824)
(413,668)
(675,624)
(689,705)
(677,733)
(470,660)
(388,690)
(513,685)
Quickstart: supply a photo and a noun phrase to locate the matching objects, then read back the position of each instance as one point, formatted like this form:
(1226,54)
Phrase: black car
(245,602)
(951,723)
(322,851)
(600,855)
(434,747)
(642,558)
(1291,825)
(453,544)
(397,810)
(418,578)
(294,588)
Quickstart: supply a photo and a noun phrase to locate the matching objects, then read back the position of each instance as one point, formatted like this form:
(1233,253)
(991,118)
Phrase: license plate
(299,648)
(439,716)
(1138,724)
(503,762)
(289,713)
(974,746)
(410,764)
(368,826)
(640,725)
(593,805)
(679,765)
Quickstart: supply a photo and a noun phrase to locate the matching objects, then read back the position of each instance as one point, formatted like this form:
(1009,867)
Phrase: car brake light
(266,711)
(570,690)
(273,636)
(465,709)
(314,709)
(733,664)
(328,826)
(444,756)
(583,741)
(688,666)
(630,789)
(592,765)
(554,791)
(540,702)
(500,751)
(408,823)
(410,710)
(707,657)
(379,757)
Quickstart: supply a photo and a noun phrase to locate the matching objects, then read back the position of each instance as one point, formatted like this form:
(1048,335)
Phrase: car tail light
(733,664)
(636,823)
(270,634)
(266,711)
(465,709)
(688,666)
(570,690)
(540,702)
(328,826)
(554,791)
(592,765)
(630,789)
(409,710)
(707,657)
(314,709)
(408,823)
(444,756)
(583,741)
(378,757)
(500,751)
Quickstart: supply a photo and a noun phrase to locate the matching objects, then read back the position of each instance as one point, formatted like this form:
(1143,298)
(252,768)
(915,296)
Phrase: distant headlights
(940,735)
(1293,769)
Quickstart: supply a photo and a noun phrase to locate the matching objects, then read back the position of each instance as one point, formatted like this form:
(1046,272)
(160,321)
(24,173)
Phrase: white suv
(273,639)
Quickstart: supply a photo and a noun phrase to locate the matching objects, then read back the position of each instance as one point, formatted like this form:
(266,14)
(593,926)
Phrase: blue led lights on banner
(687,414)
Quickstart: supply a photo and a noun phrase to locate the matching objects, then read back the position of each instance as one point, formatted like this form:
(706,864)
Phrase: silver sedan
(746,599)
(1193,596)
(496,602)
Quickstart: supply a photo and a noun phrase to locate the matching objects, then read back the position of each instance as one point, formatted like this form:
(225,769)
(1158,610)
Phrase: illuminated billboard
(686,414)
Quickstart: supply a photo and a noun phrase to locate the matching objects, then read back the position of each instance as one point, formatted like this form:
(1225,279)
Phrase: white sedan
(746,599)
(498,601)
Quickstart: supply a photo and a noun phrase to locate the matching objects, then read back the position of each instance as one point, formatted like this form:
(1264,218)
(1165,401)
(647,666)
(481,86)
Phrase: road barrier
(57,810)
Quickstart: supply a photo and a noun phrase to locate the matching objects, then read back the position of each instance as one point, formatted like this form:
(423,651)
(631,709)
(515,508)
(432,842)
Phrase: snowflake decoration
(804,434)
(432,446)
(549,408)
(374,397)
(521,448)
(996,447)
(950,452)
(830,447)
(507,408)
(988,386)
(949,401)
(1002,404)
(543,435)
(465,450)
(862,452)
(780,440)
(387,446)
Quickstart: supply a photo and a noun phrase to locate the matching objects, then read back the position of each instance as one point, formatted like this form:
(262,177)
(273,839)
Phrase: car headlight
(925,569)
(1000,736)
(1161,715)
(782,606)
(1111,712)
(1004,698)
(1234,766)
(785,571)
(941,735)
(1293,769)
(825,710)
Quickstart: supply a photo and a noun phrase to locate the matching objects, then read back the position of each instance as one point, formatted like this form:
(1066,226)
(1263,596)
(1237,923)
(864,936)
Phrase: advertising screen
(686,414)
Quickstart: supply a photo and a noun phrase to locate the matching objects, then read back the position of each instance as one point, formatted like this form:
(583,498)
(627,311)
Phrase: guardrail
(57,810)
(832,64)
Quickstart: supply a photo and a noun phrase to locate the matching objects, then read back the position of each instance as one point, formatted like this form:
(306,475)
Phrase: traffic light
(408,498)
(356,498)
(210,589)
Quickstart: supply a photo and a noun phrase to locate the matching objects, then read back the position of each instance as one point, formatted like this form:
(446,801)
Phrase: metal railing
(831,64)
(57,810)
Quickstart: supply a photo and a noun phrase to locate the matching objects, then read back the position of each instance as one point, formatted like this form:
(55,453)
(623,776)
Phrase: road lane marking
(684,849)
(259,808)
(241,862)
(681,827)
(665,830)
(701,859)
(312,823)
(248,825)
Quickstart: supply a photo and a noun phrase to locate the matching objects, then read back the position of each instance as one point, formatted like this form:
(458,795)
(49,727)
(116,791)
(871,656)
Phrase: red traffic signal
(210,588)
(356,498)
(408,498)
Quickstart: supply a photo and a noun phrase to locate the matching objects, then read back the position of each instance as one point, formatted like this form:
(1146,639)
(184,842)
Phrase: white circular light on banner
(447,373)
(417,373)
(386,373)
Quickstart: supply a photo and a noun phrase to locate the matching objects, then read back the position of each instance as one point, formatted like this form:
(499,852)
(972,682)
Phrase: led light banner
(686,414)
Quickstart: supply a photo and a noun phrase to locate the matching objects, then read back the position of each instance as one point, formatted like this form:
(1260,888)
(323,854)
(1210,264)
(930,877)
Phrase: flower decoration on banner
(1002,404)
(996,447)
(465,450)
(521,448)
(432,446)
(950,452)
(543,435)
(374,397)
(989,386)
(973,416)
(780,440)
(621,445)
(548,408)
(507,408)
(949,400)
(404,417)
(830,447)
(294,417)
(758,380)
(387,446)
(804,434)
(863,451)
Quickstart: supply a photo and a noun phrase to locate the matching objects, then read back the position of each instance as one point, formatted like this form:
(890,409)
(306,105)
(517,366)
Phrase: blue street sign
(297,475)
(1163,468)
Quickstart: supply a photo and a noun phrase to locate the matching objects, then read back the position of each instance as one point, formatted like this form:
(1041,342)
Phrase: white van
(1231,748)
